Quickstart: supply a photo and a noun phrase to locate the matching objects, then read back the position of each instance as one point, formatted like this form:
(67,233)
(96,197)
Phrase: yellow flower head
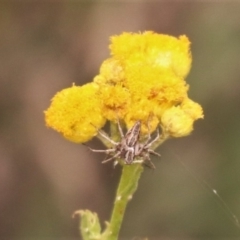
(157,85)
(144,80)
(76,113)
(153,67)
(111,72)
(157,50)
(115,101)
(192,108)
(142,109)
(176,123)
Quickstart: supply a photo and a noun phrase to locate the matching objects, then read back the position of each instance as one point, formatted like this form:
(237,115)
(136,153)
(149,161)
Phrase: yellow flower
(143,110)
(142,80)
(152,91)
(162,87)
(192,108)
(157,50)
(76,113)
(176,123)
(111,72)
(115,101)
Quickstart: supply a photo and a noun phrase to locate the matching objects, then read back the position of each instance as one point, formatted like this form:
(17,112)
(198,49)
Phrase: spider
(129,148)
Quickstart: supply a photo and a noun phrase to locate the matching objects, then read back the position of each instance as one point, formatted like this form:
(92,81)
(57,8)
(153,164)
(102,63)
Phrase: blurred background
(45,47)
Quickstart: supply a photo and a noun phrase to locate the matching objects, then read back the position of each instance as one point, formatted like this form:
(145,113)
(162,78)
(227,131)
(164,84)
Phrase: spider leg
(153,152)
(119,128)
(105,136)
(149,163)
(144,157)
(107,151)
(111,158)
(148,144)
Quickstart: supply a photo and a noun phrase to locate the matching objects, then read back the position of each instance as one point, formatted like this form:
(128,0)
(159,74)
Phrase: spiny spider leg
(107,151)
(105,135)
(153,152)
(119,128)
(149,164)
(111,158)
(148,144)
(147,160)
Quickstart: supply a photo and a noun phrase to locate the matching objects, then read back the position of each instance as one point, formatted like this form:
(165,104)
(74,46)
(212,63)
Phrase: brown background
(45,46)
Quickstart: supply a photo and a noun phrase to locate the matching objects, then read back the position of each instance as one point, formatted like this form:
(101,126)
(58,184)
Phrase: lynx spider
(129,148)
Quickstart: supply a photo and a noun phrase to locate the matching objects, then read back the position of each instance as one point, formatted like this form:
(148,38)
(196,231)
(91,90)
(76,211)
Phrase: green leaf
(90,227)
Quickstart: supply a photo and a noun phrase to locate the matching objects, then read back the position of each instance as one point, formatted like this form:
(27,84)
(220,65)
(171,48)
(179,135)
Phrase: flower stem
(127,186)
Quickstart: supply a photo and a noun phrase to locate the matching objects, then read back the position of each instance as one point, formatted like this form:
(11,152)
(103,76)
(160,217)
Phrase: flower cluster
(144,79)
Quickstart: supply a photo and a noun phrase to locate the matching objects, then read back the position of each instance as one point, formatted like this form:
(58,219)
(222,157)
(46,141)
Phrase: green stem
(127,186)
